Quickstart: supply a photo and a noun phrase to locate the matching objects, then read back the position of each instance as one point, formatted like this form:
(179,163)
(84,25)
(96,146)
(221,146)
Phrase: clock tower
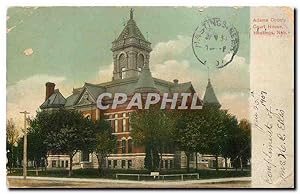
(131,51)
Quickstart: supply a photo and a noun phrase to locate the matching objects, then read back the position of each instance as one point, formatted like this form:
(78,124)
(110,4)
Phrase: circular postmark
(215,42)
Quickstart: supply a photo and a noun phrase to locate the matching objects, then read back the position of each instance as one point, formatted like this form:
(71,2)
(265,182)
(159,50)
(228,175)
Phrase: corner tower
(210,97)
(131,51)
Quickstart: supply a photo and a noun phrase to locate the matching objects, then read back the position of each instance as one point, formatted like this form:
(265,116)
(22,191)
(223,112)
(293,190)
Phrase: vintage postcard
(150,97)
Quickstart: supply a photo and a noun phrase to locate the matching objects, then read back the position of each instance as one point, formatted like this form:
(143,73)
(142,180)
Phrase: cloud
(234,77)
(28,52)
(167,70)
(105,74)
(29,94)
(164,63)
(169,49)
(231,83)
(236,104)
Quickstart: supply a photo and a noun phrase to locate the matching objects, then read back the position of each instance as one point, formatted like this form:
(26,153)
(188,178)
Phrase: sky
(71,45)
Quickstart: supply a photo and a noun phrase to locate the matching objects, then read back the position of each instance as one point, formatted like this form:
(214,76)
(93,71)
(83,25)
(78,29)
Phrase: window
(53,163)
(167,164)
(123,73)
(123,146)
(67,163)
(162,164)
(129,145)
(129,126)
(171,163)
(116,125)
(139,70)
(112,123)
(115,163)
(140,61)
(191,157)
(109,163)
(62,164)
(129,163)
(84,156)
(119,146)
(123,125)
(123,163)
(122,64)
(88,116)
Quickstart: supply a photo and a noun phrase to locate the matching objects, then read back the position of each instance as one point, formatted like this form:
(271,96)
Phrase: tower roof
(131,30)
(210,96)
(145,82)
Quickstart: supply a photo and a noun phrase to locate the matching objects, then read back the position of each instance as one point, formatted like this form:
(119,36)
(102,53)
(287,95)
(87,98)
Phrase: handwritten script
(269,122)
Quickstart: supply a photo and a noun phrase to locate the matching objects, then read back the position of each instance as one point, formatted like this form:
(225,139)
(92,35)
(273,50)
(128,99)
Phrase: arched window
(140,60)
(130,145)
(122,65)
(88,116)
(123,146)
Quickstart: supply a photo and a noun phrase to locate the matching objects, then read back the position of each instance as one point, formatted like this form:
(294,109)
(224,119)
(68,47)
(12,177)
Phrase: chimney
(175,81)
(49,89)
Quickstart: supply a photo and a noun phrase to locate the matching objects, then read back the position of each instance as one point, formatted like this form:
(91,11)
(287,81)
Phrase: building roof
(94,90)
(210,97)
(183,87)
(56,100)
(71,100)
(128,86)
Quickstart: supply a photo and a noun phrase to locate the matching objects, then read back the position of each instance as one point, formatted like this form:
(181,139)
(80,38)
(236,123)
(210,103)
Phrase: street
(18,182)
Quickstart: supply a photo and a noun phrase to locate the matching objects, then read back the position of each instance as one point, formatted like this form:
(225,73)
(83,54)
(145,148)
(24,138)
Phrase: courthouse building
(131,73)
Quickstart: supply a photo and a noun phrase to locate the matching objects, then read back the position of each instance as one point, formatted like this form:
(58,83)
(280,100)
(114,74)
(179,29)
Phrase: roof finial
(208,74)
(131,14)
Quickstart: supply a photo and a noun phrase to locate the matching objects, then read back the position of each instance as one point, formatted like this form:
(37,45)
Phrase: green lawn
(110,174)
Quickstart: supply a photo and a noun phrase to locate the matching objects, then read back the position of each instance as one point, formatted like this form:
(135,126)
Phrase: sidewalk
(158,182)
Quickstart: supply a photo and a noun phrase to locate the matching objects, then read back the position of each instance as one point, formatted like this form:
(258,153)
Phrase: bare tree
(12,133)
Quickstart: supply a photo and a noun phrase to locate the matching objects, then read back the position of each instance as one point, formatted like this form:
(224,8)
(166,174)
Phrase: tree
(245,142)
(191,133)
(105,142)
(12,136)
(206,131)
(37,148)
(152,128)
(12,133)
(220,131)
(66,131)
